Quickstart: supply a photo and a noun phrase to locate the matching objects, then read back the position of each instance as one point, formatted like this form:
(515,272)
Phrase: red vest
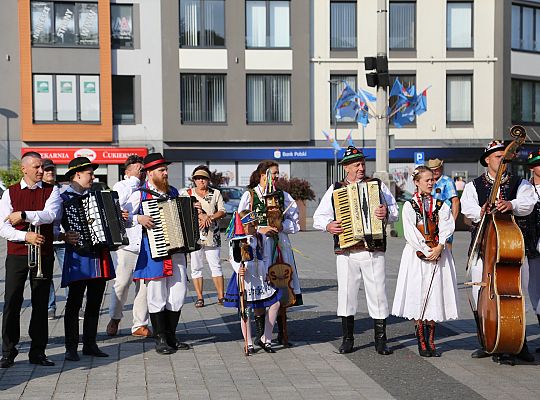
(30,200)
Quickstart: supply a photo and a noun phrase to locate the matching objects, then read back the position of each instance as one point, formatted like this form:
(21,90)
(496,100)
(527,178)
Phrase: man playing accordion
(361,260)
(165,277)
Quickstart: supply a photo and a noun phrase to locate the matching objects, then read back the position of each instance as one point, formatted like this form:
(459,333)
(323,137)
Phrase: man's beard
(162,184)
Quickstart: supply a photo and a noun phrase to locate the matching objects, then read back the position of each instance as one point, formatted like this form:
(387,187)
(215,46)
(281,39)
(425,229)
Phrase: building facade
(229,83)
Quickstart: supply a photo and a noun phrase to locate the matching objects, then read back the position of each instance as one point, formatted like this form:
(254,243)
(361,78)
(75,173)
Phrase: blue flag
(421,103)
(397,88)
(333,142)
(346,105)
(366,96)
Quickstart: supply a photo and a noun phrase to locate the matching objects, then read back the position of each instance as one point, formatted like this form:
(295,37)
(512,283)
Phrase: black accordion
(176,225)
(97,217)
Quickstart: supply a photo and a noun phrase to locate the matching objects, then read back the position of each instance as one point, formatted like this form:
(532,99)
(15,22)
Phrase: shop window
(66,98)
(64,24)
(123,99)
(121,26)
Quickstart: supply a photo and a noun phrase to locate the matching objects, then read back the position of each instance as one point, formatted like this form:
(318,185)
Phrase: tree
(12,175)
(299,189)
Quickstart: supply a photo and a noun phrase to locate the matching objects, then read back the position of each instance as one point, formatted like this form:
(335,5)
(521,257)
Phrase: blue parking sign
(419,158)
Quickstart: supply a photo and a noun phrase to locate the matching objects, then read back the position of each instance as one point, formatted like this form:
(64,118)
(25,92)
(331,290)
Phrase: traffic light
(381,77)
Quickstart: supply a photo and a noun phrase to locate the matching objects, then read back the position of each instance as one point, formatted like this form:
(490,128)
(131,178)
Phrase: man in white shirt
(359,261)
(125,259)
(30,202)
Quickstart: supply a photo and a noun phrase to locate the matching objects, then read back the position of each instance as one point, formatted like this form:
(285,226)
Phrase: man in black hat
(29,202)
(165,278)
(360,260)
(82,271)
(516,197)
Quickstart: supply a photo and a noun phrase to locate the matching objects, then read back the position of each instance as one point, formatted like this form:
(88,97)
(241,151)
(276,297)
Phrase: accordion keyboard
(156,235)
(343,214)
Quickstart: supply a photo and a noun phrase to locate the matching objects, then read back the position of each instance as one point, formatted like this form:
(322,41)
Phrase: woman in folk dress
(426,289)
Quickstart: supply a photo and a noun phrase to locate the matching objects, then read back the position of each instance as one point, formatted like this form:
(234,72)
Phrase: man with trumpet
(28,203)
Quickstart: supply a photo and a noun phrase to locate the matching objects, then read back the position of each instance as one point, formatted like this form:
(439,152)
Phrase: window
(267,24)
(402,25)
(64,24)
(202,98)
(268,98)
(66,98)
(342,25)
(459,25)
(525,28)
(459,98)
(121,26)
(202,23)
(123,99)
(525,101)
(335,91)
(408,80)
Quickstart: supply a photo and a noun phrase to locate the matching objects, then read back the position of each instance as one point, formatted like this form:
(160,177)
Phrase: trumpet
(34,253)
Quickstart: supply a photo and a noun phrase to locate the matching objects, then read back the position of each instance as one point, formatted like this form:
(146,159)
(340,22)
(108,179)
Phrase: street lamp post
(335,83)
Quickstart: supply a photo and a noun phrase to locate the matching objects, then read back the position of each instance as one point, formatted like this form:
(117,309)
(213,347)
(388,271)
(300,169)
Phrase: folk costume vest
(258,206)
(30,200)
(530,227)
(87,265)
(148,267)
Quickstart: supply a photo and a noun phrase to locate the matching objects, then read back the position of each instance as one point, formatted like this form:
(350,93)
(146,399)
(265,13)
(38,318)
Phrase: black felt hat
(534,159)
(352,154)
(153,160)
(48,164)
(79,164)
(492,147)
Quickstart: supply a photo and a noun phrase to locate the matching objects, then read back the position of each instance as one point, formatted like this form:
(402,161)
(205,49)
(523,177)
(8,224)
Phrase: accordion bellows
(97,217)
(176,226)
(355,206)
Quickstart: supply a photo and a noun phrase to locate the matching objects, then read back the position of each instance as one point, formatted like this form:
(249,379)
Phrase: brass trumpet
(34,253)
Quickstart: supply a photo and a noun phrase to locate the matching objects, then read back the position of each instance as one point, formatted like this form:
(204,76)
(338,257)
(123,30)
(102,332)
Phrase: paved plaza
(217,369)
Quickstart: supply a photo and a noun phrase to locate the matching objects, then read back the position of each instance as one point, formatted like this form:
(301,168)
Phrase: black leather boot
(159,323)
(90,347)
(259,326)
(347,325)
(172,322)
(431,340)
(380,337)
(524,354)
(420,335)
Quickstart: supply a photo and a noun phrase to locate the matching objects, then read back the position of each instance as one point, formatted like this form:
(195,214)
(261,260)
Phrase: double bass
(500,314)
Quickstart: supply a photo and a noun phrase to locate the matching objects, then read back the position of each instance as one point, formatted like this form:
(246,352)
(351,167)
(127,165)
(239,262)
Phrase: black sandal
(199,303)
(267,347)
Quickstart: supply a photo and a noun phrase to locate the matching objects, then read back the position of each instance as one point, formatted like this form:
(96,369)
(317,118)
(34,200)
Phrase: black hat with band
(352,154)
(154,160)
(534,159)
(80,164)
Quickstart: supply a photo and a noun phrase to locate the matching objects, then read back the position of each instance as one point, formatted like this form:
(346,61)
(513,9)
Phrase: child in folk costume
(245,256)
(426,289)
(275,225)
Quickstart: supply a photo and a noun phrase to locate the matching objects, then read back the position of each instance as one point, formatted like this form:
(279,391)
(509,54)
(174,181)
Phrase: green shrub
(12,175)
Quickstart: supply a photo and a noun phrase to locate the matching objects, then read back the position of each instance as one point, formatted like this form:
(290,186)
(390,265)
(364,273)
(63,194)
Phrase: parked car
(231,197)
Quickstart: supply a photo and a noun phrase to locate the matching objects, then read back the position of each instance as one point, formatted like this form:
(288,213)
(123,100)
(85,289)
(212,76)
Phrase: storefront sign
(100,155)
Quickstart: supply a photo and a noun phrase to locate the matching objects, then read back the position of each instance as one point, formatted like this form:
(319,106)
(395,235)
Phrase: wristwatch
(23,215)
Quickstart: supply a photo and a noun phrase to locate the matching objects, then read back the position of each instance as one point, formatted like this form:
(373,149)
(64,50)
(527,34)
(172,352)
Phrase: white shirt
(125,189)
(53,206)
(291,221)
(324,214)
(133,204)
(522,205)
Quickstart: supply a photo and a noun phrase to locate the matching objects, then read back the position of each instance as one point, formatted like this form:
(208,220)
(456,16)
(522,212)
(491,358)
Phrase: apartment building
(231,82)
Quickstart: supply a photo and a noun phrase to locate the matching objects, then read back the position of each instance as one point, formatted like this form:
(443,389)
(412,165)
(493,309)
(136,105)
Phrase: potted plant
(300,190)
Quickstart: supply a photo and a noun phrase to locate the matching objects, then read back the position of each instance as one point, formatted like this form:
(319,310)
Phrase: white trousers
(476,276)
(124,262)
(212,257)
(169,293)
(351,269)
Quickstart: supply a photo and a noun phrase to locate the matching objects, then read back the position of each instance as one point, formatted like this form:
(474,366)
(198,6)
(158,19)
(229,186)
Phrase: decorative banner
(100,155)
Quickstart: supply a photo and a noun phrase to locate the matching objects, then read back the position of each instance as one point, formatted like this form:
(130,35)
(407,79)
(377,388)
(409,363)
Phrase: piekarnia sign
(100,155)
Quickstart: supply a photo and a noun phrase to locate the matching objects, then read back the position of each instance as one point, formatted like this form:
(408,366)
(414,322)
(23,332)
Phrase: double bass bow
(500,314)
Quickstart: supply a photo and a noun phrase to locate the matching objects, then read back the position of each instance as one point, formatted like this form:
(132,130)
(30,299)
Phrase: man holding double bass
(515,196)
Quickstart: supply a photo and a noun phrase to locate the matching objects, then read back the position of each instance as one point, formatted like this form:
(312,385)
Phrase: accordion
(97,217)
(176,226)
(355,206)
